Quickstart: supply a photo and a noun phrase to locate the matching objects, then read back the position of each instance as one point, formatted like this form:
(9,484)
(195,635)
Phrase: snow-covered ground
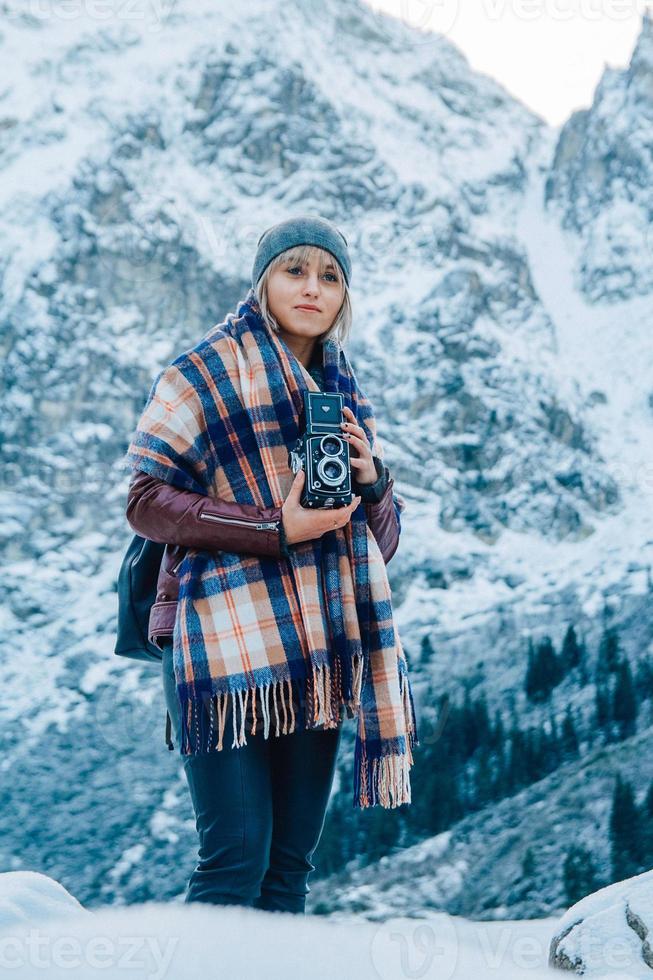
(45,932)
(158,940)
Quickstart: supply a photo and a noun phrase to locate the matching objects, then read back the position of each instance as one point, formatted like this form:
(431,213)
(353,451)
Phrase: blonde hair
(301,255)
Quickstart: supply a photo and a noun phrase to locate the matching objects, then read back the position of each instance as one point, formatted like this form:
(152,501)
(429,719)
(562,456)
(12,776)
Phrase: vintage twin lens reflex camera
(322,452)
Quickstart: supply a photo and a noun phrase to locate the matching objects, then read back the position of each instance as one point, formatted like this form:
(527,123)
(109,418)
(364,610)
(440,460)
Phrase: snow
(27,897)
(44,931)
(593,347)
(44,928)
(600,347)
(600,936)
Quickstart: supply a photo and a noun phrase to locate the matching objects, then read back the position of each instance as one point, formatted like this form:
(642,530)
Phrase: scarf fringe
(203,718)
(386,780)
(410,718)
(383,780)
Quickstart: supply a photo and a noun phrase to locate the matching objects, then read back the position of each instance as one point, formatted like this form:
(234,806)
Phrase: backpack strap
(169,741)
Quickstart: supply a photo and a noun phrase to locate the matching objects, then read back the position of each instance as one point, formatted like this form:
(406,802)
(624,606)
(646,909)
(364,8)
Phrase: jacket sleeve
(160,512)
(382,506)
(384,519)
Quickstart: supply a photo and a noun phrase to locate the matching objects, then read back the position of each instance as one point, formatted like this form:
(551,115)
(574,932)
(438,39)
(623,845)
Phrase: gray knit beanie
(305,229)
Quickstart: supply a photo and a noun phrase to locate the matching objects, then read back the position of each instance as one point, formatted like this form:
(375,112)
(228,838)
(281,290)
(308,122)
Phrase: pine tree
(644,681)
(624,701)
(608,657)
(571,652)
(552,661)
(498,742)
(602,706)
(471,738)
(518,773)
(436,771)
(569,739)
(543,670)
(382,833)
(626,837)
(484,789)
(583,674)
(426,649)
(482,718)
(528,864)
(579,874)
(532,682)
(540,754)
(551,747)
(647,827)
(648,801)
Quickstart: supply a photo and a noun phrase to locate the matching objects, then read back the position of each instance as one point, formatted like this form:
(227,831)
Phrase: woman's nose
(311,285)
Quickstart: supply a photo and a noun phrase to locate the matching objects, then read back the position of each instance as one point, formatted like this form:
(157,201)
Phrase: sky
(550,54)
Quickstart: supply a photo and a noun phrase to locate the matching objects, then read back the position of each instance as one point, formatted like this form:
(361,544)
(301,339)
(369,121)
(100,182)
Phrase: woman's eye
(298,268)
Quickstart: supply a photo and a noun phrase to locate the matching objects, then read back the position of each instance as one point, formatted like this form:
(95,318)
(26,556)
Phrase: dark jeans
(259,810)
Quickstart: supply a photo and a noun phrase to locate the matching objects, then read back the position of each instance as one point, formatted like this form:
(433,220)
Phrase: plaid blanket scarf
(219,420)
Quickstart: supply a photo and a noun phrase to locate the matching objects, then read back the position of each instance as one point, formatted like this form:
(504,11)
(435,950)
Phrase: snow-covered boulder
(608,930)
(29,896)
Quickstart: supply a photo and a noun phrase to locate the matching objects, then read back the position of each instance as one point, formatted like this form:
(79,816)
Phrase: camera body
(322,452)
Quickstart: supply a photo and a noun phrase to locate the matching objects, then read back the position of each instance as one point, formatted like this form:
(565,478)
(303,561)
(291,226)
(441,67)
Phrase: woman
(275,639)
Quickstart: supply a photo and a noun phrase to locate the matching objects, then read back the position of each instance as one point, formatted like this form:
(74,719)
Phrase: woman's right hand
(303,523)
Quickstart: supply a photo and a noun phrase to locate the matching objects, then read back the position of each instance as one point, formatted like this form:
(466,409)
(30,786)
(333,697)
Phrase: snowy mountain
(501,293)
(599,185)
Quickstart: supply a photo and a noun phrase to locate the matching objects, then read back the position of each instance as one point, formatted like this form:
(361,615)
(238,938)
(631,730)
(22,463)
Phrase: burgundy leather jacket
(182,519)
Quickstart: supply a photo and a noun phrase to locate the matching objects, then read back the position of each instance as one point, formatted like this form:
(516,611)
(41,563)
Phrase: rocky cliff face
(600,180)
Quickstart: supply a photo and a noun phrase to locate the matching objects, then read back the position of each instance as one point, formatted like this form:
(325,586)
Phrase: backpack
(137,582)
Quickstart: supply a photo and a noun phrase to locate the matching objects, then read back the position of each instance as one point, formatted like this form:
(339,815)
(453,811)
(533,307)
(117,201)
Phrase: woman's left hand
(365,470)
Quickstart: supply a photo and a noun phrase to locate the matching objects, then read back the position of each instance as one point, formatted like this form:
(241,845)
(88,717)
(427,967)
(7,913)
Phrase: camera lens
(331,471)
(331,445)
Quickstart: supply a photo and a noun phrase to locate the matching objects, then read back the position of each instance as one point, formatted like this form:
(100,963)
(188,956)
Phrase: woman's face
(292,288)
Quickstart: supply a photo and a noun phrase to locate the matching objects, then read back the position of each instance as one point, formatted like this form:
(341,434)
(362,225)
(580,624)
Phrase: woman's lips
(309,309)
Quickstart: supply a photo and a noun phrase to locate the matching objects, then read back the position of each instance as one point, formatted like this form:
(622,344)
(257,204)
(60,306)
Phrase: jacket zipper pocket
(266,526)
